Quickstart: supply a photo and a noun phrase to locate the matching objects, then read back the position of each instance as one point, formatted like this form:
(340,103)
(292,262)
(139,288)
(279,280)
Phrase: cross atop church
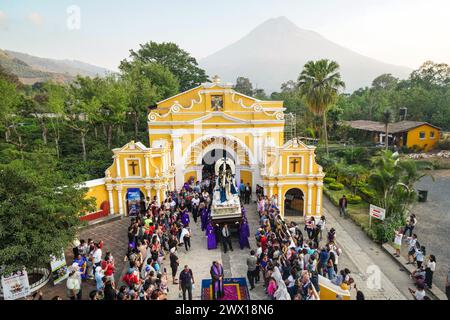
(216,79)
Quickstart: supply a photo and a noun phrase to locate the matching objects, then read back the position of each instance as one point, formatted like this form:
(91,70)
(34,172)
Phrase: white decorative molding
(256,107)
(174,108)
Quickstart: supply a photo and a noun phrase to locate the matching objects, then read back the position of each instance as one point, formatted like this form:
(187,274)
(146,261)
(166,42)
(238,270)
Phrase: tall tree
(9,101)
(112,94)
(81,109)
(244,86)
(319,83)
(146,84)
(176,60)
(55,102)
(39,215)
(384,82)
(431,74)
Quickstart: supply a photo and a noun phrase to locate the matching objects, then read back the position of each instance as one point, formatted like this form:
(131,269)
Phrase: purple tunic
(185,218)
(244,233)
(204,218)
(212,243)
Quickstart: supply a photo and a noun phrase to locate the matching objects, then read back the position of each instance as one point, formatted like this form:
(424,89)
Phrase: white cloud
(35,18)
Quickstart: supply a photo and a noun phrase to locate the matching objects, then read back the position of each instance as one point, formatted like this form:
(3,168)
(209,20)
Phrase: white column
(117,165)
(280,205)
(319,198)
(309,206)
(119,195)
(280,165)
(111,199)
(158,194)
(178,161)
(147,165)
(311,156)
(148,189)
(271,190)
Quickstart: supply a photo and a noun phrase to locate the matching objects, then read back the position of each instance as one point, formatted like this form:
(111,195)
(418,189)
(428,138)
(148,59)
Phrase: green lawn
(359,212)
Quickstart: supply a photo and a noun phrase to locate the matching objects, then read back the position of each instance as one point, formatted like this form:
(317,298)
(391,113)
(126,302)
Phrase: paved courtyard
(433,226)
(359,254)
(114,236)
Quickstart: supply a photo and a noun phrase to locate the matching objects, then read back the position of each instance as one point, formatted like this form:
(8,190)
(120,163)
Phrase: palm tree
(319,84)
(387,118)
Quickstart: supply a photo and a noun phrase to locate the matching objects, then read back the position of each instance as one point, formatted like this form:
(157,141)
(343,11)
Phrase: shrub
(442,145)
(329,180)
(336,186)
(367,193)
(354,199)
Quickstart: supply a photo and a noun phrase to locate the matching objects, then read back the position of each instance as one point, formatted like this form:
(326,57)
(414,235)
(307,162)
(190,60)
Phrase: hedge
(336,186)
(354,199)
(329,180)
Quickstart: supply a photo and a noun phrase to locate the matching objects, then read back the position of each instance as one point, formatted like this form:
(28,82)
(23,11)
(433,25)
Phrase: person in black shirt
(186,282)
(174,262)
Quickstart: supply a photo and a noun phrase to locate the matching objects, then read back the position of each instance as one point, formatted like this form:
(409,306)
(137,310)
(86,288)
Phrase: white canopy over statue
(226,203)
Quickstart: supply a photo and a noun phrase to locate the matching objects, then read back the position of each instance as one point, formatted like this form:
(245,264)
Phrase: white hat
(173,250)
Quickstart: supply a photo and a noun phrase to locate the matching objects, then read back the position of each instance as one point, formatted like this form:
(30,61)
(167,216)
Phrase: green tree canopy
(244,86)
(39,212)
(319,83)
(176,60)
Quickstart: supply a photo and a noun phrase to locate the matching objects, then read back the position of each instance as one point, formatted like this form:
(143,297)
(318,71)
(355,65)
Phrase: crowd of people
(288,262)
(425,265)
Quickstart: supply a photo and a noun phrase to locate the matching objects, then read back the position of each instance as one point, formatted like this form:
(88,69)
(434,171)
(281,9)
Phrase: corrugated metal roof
(396,127)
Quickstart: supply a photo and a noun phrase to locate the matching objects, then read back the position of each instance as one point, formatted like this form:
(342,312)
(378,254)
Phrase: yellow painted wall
(247,177)
(427,143)
(99,193)
(189,174)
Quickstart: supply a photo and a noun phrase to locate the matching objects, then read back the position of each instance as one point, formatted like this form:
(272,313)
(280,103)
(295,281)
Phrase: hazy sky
(403,32)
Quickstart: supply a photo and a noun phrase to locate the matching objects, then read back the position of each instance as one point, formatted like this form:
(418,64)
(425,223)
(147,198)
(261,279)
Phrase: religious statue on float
(226,189)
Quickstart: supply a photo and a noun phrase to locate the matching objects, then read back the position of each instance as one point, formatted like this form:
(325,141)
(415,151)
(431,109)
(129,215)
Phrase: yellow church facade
(190,131)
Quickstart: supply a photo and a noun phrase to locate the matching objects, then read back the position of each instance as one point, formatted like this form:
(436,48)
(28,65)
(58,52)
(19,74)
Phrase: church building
(191,130)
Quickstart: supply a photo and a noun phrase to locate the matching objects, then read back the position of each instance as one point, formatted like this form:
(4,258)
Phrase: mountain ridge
(31,69)
(276,50)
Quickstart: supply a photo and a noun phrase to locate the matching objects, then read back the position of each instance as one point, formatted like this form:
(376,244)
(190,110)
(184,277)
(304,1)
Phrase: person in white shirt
(321,226)
(73,283)
(398,242)
(429,271)
(411,248)
(418,294)
(97,256)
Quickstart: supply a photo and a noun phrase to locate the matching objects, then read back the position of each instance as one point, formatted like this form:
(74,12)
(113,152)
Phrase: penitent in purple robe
(204,218)
(185,218)
(244,233)
(211,234)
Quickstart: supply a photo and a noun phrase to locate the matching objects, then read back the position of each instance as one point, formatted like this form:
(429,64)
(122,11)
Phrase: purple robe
(217,283)
(204,218)
(244,233)
(211,234)
(185,218)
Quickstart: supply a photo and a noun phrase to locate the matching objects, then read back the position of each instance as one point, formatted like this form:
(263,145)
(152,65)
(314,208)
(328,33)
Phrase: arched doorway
(135,200)
(294,200)
(210,158)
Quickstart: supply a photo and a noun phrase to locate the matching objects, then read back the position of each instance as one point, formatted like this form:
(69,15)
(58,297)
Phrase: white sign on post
(377,212)
(16,286)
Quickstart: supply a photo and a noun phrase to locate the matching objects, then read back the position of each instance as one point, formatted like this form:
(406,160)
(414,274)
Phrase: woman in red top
(263,241)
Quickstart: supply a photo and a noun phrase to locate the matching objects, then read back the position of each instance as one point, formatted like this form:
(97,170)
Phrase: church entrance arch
(294,202)
(210,158)
(202,153)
